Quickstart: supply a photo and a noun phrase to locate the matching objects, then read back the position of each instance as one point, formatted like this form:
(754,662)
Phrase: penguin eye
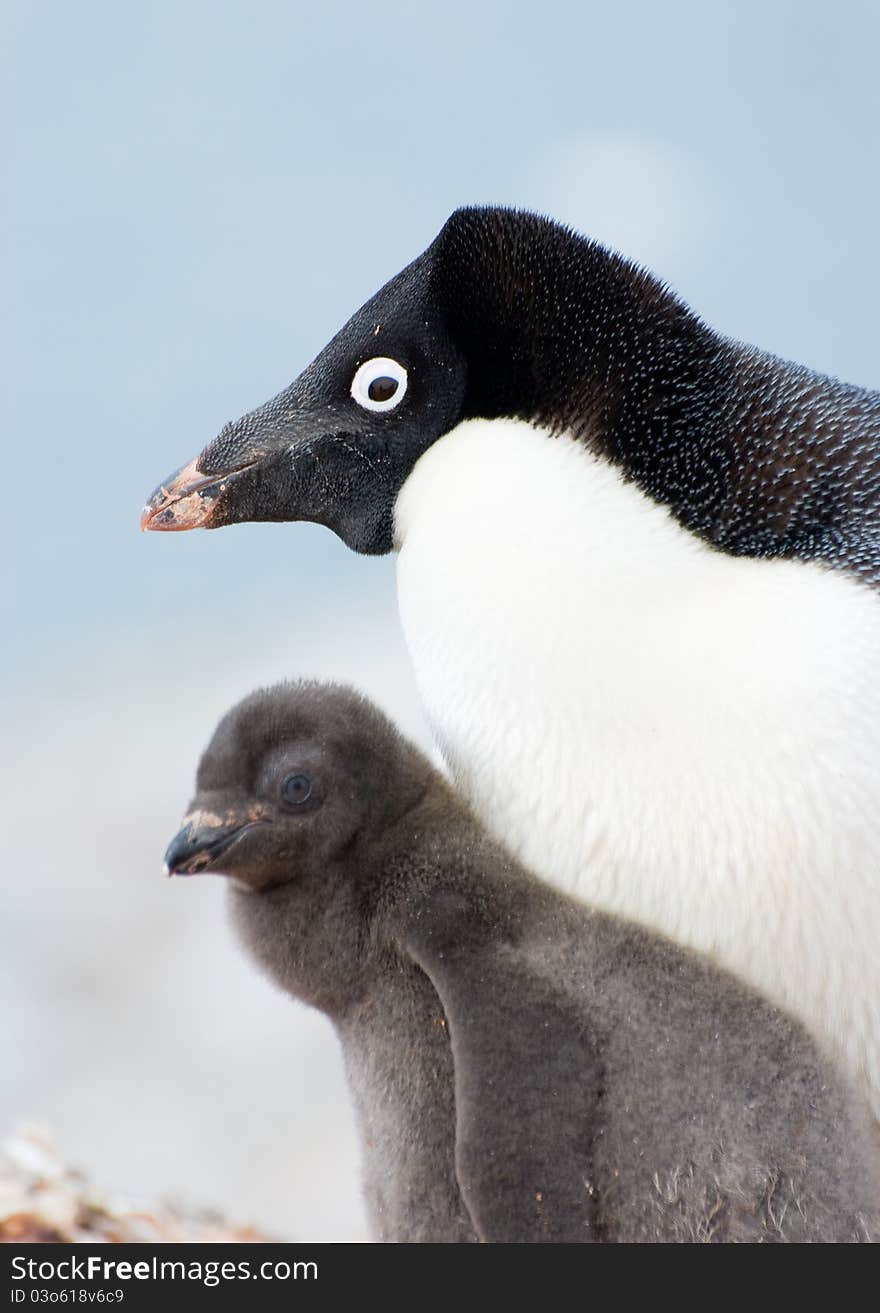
(297,789)
(379,384)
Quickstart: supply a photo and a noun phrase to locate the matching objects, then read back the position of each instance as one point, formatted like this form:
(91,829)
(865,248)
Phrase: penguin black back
(523,1068)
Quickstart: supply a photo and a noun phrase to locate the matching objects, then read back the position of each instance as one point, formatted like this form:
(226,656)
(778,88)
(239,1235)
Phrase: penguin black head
(505,314)
(294,780)
(336,446)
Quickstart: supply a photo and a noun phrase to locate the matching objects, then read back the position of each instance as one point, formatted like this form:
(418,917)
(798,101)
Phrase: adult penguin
(638,570)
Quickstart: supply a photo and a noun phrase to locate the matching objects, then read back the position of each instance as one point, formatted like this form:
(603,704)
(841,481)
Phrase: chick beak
(202,840)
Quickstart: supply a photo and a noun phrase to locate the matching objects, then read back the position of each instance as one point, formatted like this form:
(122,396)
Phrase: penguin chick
(523,1068)
(638,569)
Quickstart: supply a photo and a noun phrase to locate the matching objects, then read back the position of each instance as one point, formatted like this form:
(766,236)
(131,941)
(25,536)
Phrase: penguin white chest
(684,737)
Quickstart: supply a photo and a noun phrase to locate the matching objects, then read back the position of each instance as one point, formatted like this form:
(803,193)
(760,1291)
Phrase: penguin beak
(188,499)
(203,839)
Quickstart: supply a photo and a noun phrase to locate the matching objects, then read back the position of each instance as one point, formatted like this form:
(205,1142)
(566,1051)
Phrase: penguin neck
(559,331)
(570,337)
(306,935)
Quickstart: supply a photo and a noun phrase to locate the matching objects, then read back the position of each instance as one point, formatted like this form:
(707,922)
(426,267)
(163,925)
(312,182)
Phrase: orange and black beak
(188,499)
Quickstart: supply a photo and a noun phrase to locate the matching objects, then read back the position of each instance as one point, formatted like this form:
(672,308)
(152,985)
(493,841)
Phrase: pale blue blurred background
(196,196)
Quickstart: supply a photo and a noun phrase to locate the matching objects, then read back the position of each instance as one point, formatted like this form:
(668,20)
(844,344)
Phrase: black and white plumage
(524,1069)
(638,571)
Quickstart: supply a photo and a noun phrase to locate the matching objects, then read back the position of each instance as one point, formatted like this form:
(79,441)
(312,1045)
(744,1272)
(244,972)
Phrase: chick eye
(379,384)
(297,789)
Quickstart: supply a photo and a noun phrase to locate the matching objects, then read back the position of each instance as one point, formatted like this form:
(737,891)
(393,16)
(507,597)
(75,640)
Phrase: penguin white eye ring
(379,384)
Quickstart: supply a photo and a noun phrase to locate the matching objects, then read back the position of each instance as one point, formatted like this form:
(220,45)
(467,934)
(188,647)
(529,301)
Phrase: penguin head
(336,446)
(495,318)
(297,781)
